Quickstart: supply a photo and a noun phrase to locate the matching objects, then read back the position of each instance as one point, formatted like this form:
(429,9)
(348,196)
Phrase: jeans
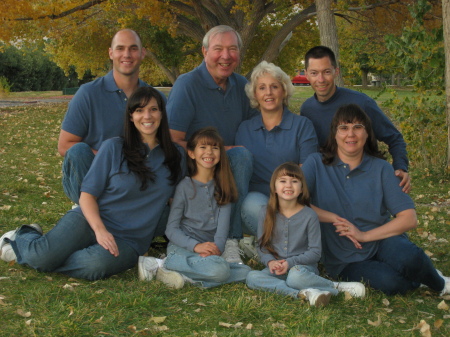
(397,267)
(207,272)
(71,248)
(77,161)
(250,211)
(241,162)
(296,279)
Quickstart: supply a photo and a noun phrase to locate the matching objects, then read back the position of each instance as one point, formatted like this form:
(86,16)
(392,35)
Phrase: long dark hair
(273,206)
(134,150)
(225,186)
(350,113)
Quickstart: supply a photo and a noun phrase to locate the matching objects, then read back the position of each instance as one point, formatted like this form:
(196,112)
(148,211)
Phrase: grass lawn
(38,304)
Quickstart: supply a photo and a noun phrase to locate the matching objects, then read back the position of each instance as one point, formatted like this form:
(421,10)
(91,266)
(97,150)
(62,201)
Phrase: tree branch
(83,7)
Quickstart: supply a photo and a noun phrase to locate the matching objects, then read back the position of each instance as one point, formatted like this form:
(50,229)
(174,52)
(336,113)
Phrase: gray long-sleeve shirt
(296,239)
(195,216)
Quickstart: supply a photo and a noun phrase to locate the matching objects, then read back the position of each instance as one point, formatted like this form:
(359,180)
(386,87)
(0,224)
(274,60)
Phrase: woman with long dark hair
(122,199)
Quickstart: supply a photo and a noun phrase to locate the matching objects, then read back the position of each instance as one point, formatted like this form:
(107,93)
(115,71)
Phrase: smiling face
(269,94)
(126,53)
(351,142)
(222,56)
(321,75)
(288,188)
(147,120)
(206,156)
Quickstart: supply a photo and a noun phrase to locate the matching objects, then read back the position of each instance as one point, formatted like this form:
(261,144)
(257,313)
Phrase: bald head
(126,33)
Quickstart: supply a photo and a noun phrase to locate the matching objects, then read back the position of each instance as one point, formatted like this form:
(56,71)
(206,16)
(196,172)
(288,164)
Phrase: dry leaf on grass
(5,207)
(424,329)
(278,325)
(23,313)
(158,320)
(438,323)
(386,302)
(376,323)
(228,325)
(443,306)
(249,326)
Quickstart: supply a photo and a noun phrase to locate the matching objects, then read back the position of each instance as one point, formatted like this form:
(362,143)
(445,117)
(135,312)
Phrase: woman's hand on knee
(107,241)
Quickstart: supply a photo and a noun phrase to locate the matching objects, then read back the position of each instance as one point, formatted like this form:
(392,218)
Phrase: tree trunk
(328,31)
(446,23)
(365,82)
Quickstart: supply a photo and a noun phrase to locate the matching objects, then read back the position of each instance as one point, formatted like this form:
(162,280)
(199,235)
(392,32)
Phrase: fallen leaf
(201,304)
(347,296)
(158,320)
(198,310)
(278,325)
(249,326)
(23,314)
(160,328)
(443,306)
(71,311)
(377,323)
(68,287)
(226,325)
(5,208)
(28,322)
(386,302)
(424,329)
(429,254)
(99,320)
(438,323)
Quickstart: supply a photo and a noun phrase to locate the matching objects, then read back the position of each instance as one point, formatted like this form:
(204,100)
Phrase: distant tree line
(31,69)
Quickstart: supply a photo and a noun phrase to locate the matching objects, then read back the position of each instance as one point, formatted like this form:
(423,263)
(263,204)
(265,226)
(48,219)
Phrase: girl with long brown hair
(290,243)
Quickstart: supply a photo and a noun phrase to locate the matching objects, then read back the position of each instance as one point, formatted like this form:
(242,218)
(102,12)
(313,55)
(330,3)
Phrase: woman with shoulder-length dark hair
(363,212)
(123,196)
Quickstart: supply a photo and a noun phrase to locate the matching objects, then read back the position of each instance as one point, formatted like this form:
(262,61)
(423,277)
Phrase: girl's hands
(107,241)
(347,229)
(206,249)
(278,267)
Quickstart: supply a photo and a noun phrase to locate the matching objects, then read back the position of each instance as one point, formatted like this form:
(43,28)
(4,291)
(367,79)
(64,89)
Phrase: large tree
(446,22)
(80,29)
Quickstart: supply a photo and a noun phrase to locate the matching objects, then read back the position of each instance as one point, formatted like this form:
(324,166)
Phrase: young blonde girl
(199,220)
(290,243)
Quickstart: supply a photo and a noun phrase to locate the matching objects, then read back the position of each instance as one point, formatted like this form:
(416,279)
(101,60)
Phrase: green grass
(31,192)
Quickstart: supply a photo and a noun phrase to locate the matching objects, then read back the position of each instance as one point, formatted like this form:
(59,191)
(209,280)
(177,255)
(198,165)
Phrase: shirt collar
(364,166)
(286,121)
(110,83)
(209,81)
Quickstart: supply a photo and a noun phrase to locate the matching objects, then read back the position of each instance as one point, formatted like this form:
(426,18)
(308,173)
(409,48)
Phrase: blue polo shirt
(196,101)
(126,211)
(321,114)
(292,140)
(97,111)
(367,196)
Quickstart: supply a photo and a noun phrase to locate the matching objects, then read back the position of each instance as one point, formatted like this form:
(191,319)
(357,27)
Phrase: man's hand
(405,180)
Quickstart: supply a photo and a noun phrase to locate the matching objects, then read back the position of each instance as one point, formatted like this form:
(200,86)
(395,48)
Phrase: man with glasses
(321,70)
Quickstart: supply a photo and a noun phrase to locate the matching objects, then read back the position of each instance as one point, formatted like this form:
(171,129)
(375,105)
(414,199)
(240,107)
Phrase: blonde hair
(273,207)
(265,68)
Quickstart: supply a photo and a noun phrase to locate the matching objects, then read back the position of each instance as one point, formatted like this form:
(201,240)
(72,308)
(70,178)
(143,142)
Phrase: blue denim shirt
(367,196)
(97,111)
(321,114)
(196,101)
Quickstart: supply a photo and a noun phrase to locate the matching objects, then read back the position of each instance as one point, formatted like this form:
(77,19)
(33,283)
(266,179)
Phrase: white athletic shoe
(147,268)
(356,289)
(232,252)
(316,298)
(7,253)
(170,278)
(247,245)
(446,289)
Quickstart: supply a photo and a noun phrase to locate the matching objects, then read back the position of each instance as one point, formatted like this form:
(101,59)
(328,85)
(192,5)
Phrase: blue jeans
(397,267)
(71,248)
(250,211)
(296,279)
(207,272)
(241,162)
(76,164)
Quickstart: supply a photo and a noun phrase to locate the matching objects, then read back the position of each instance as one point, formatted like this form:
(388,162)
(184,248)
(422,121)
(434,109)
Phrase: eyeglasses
(344,129)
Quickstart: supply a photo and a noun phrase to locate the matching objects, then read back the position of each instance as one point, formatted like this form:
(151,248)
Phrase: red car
(300,79)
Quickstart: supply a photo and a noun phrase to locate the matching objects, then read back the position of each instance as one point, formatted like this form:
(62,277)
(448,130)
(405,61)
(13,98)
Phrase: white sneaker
(356,289)
(7,253)
(317,298)
(232,252)
(247,245)
(446,289)
(147,268)
(170,278)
